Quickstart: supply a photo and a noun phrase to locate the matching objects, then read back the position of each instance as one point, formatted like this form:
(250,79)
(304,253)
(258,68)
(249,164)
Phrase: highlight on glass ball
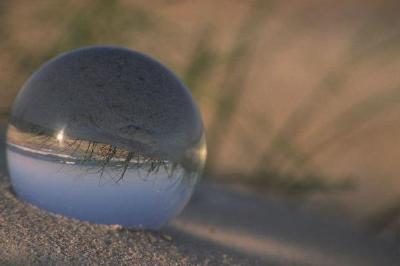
(107,135)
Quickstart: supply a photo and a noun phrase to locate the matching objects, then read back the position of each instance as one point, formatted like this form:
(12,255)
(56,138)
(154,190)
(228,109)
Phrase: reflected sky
(140,199)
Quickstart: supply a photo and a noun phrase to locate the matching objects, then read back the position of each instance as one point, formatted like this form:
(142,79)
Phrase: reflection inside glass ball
(107,135)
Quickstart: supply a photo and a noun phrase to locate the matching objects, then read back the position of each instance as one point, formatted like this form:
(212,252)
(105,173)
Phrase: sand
(221,226)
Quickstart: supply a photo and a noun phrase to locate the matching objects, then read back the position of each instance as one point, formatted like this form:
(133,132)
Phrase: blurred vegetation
(339,82)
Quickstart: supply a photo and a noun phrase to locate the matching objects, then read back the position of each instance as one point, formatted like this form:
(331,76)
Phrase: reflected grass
(95,157)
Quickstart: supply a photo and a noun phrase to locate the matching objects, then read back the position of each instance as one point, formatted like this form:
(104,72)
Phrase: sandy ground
(221,226)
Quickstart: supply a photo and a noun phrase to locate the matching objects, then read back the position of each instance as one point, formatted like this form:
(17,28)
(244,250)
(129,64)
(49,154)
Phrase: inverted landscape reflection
(99,182)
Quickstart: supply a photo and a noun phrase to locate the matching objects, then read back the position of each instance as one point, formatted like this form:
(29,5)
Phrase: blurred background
(299,99)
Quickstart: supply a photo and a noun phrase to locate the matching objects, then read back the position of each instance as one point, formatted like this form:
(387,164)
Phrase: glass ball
(107,135)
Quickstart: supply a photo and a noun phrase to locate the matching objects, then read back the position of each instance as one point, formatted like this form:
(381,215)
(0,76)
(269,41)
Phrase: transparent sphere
(107,135)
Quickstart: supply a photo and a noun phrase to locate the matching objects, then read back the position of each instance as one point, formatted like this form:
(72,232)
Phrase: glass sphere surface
(107,135)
